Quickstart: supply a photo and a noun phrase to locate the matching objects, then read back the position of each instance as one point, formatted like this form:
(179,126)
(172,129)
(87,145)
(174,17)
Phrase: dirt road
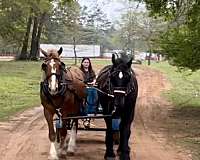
(24,137)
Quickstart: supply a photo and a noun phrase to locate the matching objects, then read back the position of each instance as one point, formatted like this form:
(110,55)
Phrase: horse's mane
(103,76)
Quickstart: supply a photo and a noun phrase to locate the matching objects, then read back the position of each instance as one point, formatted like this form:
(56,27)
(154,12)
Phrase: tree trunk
(42,19)
(24,52)
(33,51)
(74,43)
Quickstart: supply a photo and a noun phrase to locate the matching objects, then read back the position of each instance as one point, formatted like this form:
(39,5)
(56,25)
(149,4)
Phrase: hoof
(110,158)
(124,157)
(62,156)
(53,158)
(69,153)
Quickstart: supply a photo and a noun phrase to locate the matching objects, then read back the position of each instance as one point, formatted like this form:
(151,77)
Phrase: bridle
(123,91)
(63,86)
(62,82)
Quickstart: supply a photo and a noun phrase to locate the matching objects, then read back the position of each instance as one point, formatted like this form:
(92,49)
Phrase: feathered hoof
(53,158)
(110,158)
(70,153)
(124,157)
(62,155)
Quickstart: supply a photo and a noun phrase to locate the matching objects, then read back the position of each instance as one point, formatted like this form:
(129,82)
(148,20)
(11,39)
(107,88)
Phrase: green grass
(186,85)
(182,125)
(20,85)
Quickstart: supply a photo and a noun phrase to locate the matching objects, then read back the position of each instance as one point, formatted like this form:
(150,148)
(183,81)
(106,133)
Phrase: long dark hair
(90,69)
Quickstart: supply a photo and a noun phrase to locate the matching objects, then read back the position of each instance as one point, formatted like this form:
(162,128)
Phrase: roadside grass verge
(19,87)
(20,84)
(182,124)
(186,85)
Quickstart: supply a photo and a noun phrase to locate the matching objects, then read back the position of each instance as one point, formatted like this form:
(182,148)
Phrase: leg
(49,117)
(124,148)
(125,132)
(109,155)
(52,137)
(63,141)
(72,140)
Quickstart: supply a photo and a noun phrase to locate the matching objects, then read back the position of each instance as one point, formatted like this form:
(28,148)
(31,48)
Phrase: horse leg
(124,149)
(109,155)
(72,139)
(125,132)
(52,136)
(63,141)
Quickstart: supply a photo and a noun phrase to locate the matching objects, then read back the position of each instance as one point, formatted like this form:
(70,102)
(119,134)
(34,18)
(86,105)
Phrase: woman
(87,69)
(92,98)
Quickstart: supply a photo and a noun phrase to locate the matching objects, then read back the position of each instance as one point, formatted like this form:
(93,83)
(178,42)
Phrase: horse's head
(53,70)
(120,76)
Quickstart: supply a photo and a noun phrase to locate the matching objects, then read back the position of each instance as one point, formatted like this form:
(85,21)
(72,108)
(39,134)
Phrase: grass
(186,85)
(20,85)
(182,125)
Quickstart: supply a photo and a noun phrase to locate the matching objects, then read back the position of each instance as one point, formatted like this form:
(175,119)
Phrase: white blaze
(120,75)
(53,84)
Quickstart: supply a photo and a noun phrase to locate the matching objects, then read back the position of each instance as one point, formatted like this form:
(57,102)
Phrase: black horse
(120,89)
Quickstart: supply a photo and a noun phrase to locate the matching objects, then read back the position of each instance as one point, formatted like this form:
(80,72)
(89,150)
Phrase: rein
(109,95)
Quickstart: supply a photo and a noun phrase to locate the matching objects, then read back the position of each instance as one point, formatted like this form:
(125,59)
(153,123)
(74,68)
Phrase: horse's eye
(44,67)
(127,75)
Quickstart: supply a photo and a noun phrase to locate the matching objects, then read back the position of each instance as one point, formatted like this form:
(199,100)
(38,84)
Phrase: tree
(40,10)
(180,42)
(20,18)
(13,21)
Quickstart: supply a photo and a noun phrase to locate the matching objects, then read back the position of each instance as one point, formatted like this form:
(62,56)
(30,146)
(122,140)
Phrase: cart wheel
(116,137)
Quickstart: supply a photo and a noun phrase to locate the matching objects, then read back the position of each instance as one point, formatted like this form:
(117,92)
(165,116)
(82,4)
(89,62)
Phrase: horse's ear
(43,52)
(113,58)
(130,62)
(60,51)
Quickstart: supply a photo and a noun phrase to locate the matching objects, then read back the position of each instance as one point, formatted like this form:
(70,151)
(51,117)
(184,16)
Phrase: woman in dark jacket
(91,105)
(87,69)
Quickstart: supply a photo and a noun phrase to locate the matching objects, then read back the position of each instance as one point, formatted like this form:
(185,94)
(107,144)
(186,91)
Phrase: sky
(113,8)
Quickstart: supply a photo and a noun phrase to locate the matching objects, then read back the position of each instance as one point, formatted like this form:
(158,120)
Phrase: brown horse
(62,91)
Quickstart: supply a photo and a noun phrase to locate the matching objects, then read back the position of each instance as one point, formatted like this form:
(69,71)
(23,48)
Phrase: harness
(63,87)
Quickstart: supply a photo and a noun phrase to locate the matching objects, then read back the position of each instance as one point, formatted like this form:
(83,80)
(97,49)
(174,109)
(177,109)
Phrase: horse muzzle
(119,101)
(53,92)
